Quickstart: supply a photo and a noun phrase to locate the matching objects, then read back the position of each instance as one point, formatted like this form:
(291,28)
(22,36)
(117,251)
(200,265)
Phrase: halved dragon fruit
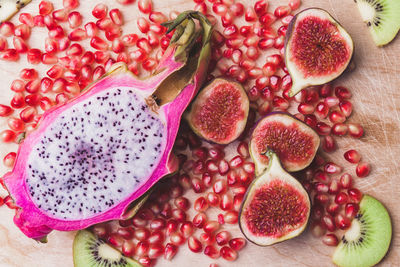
(93,156)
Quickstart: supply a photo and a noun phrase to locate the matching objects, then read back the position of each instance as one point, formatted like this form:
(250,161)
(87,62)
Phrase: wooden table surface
(375,85)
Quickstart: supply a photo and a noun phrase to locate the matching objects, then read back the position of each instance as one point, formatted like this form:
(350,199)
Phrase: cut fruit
(382,18)
(275,208)
(90,251)
(317,49)
(9,8)
(368,239)
(219,113)
(295,142)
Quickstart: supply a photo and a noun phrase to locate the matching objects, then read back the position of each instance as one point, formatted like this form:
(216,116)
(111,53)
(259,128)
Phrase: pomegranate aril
(331,167)
(321,187)
(351,210)
(260,7)
(331,101)
(20,45)
(250,15)
(141,234)
(186,229)
(321,110)
(57,32)
(46,85)
(100,11)
(341,198)
(337,117)
(170,251)
(7,136)
(146,261)
(142,247)
(61,98)
(211,227)
(177,239)
(194,244)
(116,16)
(200,204)
(330,240)
(323,128)
(352,156)
(45,103)
(363,169)
(60,15)
(342,92)
(157,17)
(38,21)
(33,86)
(222,238)
(16,124)
(237,9)
(49,59)
(6,110)
(355,130)
(228,253)
(98,43)
(342,222)
(226,202)
(280,103)
(211,251)
(321,198)
(334,187)
(9,161)
(178,215)
(305,108)
(77,35)
(91,29)
(7,28)
(199,220)
(145,6)
(267,19)
(355,195)
(23,31)
(328,223)
(332,209)
(345,180)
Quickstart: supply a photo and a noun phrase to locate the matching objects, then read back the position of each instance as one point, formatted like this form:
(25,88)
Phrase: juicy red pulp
(218,114)
(289,142)
(317,47)
(277,209)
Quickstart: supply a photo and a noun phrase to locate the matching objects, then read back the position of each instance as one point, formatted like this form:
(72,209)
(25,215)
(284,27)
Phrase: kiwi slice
(90,251)
(382,18)
(368,238)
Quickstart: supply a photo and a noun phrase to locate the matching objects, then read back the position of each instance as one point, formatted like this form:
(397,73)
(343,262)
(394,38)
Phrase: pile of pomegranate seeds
(252,53)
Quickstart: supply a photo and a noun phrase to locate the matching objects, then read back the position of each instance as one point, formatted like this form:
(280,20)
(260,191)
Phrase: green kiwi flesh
(382,18)
(90,251)
(368,238)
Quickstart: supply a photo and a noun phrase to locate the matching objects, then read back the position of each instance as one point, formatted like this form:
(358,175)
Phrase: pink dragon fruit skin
(23,180)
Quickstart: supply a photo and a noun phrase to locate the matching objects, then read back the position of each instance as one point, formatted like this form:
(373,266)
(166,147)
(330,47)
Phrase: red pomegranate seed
(321,110)
(200,204)
(337,117)
(352,156)
(321,176)
(321,198)
(60,15)
(34,56)
(266,43)
(9,161)
(100,11)
(211,251)
(213,199)
(32,86)
(157,224)
(45,7)
(228,253)
(355,130)
(332,209)
(116,16)
(6,110)
(321,187)
(317,230)
(177,239)
(59,85)
(237,9)
(226,202)
(125,2)
(280,103)
(355,195)
(351,210)
(49,59)
(146,261)
(222,238)
(237,243)
(57,32)
(346,107)
(46,85)
(342,222)
(186,229)
(267,19)
(305,108)
(342,92)
(323,128)
(145,6)
(18,86)
(27,19)
(199,220)
(236,162)
(341,198)
(363,169)
(45,103)
(330,240)
(78,35)
(157,17)
(339,129)
(178,215)
(98,43)
(327,221)
(16,124)
(260,7)
(194,244)
(50,45)
(328,144)
(250,15)
(282,11)
(61,98)
(211,227)
(7,28)
(219,9)
(171,226)
(294,4)
(55,72)
(317,212)
(170,251)
(331,101)
(142,248)
(23,31)
(207,238)
(141,234)
(20,45)
(334,187)
(7,136)
(128,248)
(91,29)
(143,25)
(70,4)
(345,180)
(74,19)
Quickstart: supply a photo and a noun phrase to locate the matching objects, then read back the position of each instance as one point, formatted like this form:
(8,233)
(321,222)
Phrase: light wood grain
(374,84)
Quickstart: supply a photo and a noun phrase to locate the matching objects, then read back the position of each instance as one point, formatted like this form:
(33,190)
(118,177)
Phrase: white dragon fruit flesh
(93,156)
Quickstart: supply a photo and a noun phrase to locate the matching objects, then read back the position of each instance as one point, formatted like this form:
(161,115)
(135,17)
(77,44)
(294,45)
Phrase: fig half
(219,113)
(317,49)
(275,208)
(294,141)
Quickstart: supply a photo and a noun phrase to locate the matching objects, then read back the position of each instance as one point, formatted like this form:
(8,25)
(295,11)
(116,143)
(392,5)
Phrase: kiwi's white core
(367,11)
(353,234)
(109,253)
